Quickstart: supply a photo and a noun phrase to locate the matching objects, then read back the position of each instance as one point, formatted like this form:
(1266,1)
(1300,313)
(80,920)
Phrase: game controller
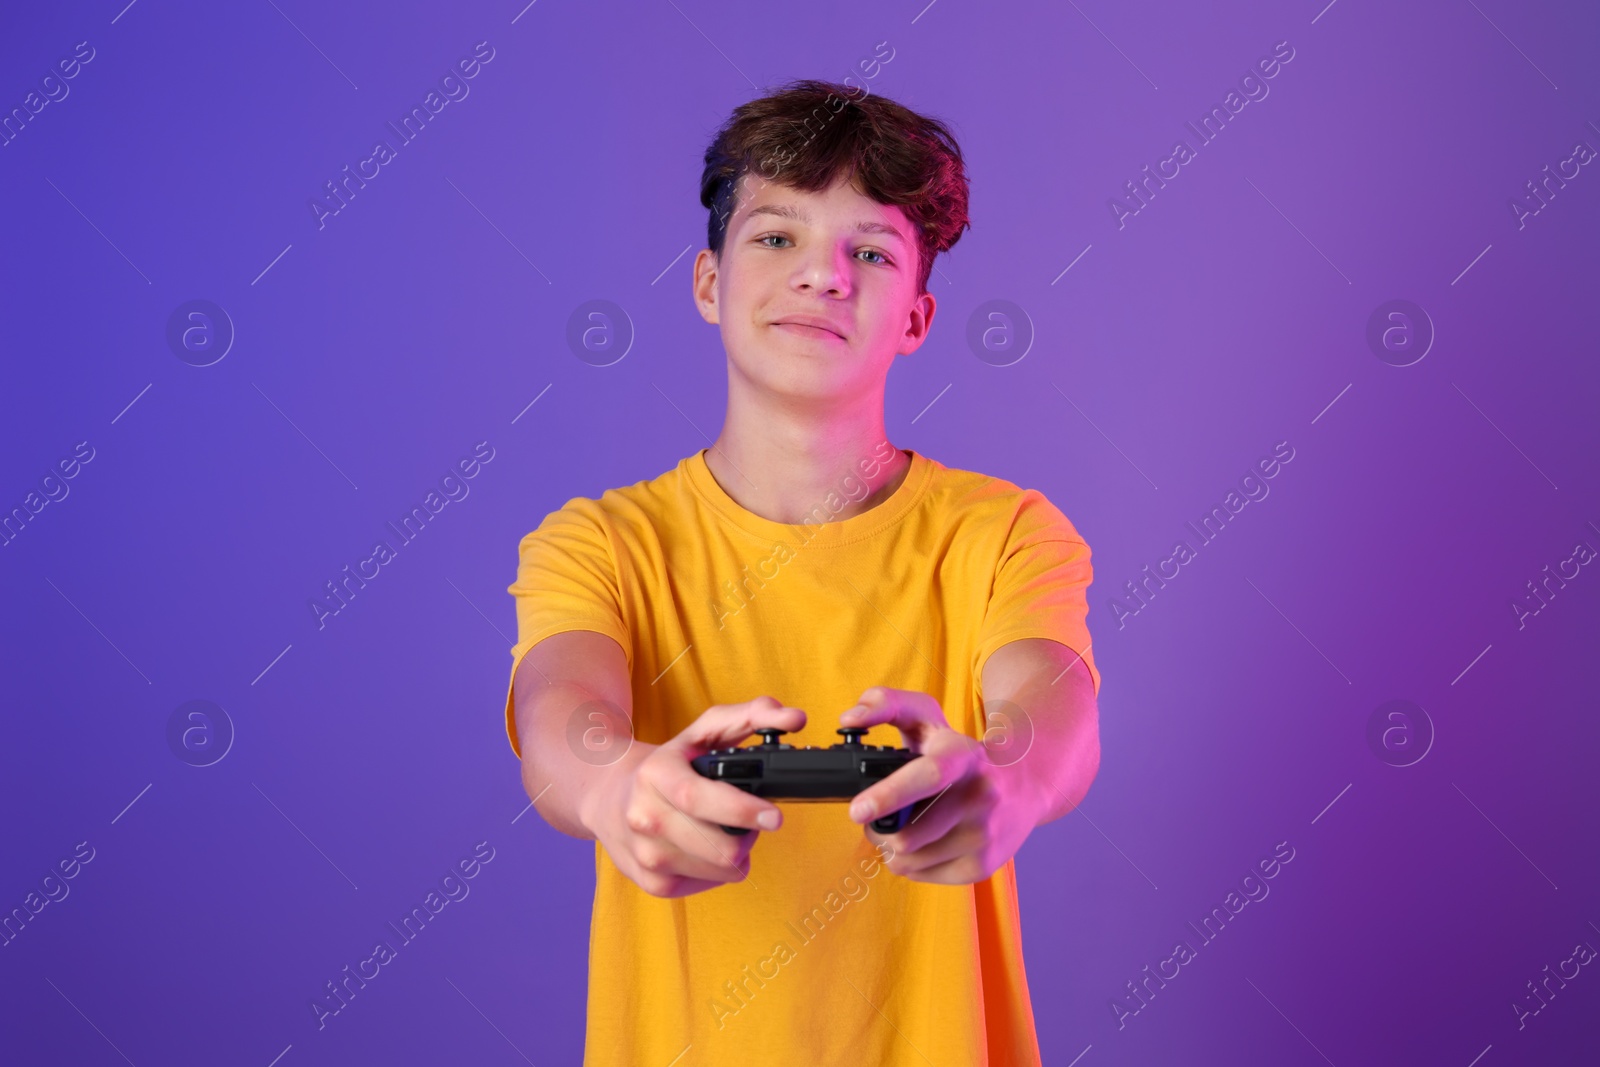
(776,771)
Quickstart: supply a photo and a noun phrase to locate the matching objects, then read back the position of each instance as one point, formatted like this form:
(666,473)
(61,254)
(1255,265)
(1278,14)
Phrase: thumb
(727,725)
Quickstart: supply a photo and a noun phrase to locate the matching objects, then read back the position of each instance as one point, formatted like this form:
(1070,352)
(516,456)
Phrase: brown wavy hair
(809,133)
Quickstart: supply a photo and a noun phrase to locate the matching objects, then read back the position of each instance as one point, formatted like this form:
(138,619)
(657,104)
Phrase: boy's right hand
(661,822)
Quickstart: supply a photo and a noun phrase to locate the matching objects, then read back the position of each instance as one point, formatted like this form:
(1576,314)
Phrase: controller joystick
(778,771)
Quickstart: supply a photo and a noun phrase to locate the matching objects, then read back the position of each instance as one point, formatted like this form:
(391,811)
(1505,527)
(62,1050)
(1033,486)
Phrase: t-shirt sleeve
(1041,585)
(567,579)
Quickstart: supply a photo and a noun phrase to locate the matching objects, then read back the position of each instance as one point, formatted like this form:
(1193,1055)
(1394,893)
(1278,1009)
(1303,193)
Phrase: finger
(701,853)
(724,725)
(929,823)
(719,803)
(700,808)
(925,776)
(937,862)
(658,859)
(689,847)
(689,886)
(714,801)
(915,714)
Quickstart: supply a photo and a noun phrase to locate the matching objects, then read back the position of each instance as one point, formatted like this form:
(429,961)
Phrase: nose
(824,270)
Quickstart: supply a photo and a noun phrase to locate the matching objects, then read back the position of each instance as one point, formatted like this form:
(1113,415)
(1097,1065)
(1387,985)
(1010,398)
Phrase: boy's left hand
(981,814)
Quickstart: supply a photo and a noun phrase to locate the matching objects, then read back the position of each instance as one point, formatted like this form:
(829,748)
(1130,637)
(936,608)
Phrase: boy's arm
(986,800)
(656,818)
(574,679)
(1048,686)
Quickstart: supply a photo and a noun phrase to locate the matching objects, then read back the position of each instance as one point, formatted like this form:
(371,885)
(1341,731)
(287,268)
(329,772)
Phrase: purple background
(371,354)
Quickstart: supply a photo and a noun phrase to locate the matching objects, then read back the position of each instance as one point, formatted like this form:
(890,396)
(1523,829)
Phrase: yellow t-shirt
(822,955)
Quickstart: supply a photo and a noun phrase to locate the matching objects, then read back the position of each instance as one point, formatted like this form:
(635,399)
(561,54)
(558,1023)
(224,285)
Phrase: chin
(802,382)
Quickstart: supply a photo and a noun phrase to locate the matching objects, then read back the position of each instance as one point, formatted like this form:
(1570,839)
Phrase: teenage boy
(804,574)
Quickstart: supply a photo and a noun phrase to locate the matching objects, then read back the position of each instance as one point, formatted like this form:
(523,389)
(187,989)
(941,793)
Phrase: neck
(783,465)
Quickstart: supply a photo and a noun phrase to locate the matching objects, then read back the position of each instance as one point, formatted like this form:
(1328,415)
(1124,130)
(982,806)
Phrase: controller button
(739,768)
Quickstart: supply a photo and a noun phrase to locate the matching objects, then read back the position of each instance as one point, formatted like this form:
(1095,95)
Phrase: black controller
(776,771)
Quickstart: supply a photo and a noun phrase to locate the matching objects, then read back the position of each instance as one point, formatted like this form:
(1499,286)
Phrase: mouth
(800,329)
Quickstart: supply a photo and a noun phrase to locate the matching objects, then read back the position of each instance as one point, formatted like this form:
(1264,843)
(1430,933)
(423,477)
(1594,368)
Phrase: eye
(882,259)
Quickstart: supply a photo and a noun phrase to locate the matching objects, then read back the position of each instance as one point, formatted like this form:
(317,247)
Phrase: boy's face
(794,255)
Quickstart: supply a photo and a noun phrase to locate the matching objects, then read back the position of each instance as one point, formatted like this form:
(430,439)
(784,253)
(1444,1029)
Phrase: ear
(919,320)
(705,285)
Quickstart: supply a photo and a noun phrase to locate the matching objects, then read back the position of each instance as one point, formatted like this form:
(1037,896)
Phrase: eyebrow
(787,211)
